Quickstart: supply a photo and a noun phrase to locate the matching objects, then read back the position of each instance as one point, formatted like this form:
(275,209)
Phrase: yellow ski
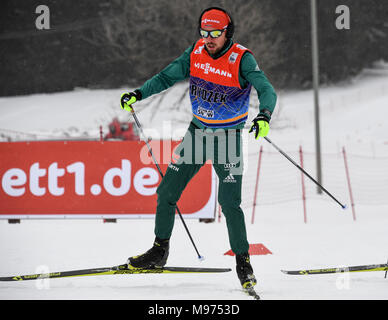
(121,269)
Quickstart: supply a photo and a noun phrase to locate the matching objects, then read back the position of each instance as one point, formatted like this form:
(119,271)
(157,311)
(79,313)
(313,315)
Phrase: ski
(121,269)
(365,268)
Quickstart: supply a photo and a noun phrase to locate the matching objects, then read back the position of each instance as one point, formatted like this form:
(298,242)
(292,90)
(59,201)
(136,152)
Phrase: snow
(334,240)
(353,114)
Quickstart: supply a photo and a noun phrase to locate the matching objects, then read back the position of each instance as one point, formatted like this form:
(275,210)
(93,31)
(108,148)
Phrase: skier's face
(213,45)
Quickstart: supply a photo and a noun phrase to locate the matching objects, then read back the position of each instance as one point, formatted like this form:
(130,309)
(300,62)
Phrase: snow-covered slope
(353,112)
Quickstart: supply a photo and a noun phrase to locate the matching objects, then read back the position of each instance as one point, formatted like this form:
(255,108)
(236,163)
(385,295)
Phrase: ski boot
(245,271)
(156,257)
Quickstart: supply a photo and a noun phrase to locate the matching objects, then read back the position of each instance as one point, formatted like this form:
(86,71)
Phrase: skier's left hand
(260,125)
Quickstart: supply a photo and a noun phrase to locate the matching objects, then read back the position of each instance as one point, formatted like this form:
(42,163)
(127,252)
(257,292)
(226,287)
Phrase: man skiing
(221,75)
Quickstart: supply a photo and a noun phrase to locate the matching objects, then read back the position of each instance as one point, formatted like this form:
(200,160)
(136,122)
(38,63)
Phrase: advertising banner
(90,179)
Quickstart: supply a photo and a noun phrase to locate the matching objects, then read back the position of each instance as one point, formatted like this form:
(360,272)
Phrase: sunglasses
(213,33)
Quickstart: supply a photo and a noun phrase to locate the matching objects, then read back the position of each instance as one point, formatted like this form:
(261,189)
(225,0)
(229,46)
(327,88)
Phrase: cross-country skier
(221,74)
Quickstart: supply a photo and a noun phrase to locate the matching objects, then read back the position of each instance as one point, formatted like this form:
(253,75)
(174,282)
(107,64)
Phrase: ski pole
(161,174)
(301,169)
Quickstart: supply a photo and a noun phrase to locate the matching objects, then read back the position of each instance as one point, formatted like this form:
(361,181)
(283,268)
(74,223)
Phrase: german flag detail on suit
(217,98)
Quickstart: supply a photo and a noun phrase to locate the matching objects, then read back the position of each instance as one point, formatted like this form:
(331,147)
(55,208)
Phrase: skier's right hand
(128,98)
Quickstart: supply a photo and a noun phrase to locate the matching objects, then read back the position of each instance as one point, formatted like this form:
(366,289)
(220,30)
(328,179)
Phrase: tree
(146,36)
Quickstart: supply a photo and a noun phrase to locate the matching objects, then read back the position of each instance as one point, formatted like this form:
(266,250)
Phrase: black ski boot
(153,258)
(245,271)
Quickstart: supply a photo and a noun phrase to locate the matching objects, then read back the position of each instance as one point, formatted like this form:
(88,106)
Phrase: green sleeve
(250,72)
(176,71)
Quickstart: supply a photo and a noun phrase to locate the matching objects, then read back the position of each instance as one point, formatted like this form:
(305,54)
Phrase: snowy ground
(327,241)
(352,114)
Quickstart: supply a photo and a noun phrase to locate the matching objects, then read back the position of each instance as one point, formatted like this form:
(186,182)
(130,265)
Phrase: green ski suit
(224,149)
